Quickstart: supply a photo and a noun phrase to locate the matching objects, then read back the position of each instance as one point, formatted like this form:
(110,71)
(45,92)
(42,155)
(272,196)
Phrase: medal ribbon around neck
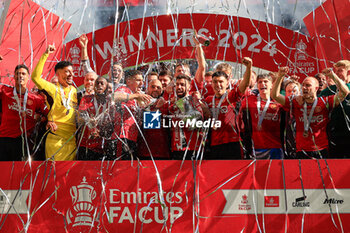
(216,109)
(15,95)
(66,102)
(263,113)
(97,108)
(307,119)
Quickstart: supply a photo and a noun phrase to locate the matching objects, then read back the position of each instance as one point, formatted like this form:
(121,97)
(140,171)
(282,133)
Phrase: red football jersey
(10,123)
(196,86)
(268,135)
(316,138)
(228,132)
(130,113)
(183,137)
(104,120)
(207,91)
(157,139)
(168,97)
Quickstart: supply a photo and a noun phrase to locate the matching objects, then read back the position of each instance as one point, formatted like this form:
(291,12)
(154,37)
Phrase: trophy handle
(68,216)
(93,195)
(74,193)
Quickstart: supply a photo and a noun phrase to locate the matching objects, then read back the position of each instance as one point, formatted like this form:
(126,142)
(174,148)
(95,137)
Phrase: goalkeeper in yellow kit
(60,142)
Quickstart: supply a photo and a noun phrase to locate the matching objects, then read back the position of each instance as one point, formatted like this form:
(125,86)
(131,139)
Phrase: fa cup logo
(301,50)
(82,196)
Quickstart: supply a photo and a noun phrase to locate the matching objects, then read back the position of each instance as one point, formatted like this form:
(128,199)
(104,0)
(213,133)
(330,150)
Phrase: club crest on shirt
(318,109)
(30,102)
(223,109)
(273,106)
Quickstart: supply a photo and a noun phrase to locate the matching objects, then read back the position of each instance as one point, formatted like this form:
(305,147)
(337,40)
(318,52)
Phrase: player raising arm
(60,142)
(311,113)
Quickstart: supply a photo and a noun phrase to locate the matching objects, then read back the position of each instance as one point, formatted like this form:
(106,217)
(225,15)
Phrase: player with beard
(339,125)
(19,107)
(95,115)
(311,113)
(155,90)
(149,77)
(156,139)
(184,141)
(225,140)
(261,121)
(60,142)
(127,128)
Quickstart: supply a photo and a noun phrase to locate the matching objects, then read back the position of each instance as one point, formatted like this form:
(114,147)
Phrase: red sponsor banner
(168,37)
(328,26)
(77,196)
(272,201)
(168,196)
(26,30)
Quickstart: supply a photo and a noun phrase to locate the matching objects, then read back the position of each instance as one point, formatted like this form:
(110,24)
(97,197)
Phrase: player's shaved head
(313,79)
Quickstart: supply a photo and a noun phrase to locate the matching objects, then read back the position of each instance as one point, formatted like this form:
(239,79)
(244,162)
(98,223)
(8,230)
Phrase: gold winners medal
(23,114)
(305,134)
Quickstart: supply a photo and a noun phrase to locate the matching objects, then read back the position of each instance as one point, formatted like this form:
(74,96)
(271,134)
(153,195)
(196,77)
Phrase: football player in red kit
(311,113)
(261,120)
(19,106)
(225,139)
(96,113)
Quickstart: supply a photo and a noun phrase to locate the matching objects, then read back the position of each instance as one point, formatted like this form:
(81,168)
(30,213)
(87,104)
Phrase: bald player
(311,113)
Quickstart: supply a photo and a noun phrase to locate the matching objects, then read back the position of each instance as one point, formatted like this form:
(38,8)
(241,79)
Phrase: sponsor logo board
(280,201)
(14,201)
(272,201)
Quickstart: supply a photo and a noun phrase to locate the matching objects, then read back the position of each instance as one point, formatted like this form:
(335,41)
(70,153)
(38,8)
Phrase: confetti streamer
(192,194)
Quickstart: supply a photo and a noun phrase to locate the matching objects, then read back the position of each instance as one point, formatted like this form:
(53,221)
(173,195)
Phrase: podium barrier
(175,196)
